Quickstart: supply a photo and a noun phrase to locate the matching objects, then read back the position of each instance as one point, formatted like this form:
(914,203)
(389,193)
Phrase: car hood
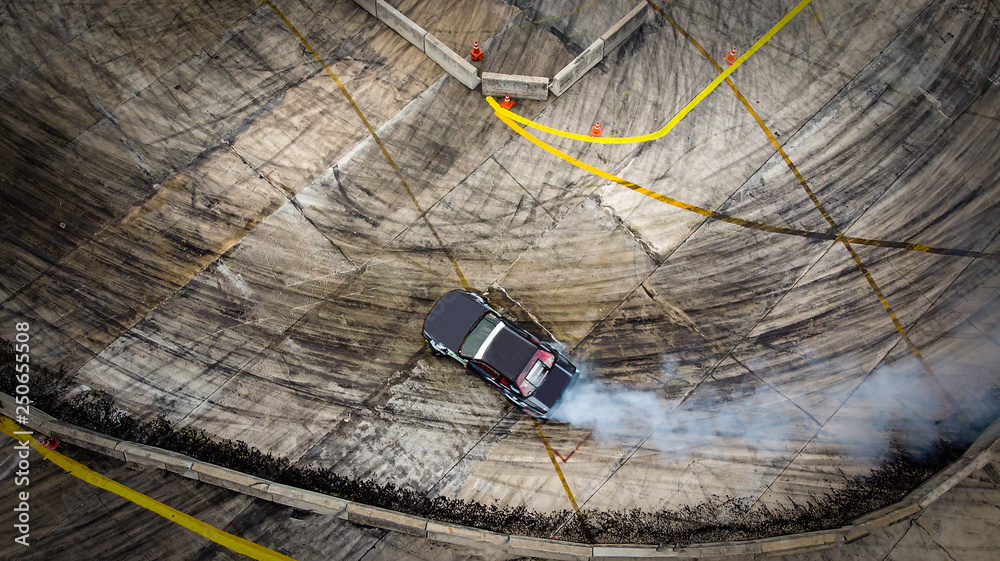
(451,318)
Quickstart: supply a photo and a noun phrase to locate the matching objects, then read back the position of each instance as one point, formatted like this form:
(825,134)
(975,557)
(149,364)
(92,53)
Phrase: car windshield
(478,336)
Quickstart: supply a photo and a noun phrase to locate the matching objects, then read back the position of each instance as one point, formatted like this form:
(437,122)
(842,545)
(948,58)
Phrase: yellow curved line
(82,472)
(680,114)
(742,222)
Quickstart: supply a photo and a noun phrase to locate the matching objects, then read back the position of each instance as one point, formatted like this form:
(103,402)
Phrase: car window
(475,339)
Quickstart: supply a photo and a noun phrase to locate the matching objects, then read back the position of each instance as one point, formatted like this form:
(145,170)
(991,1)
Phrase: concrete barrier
(619,32)
(368,5)
(387,519)
(157,457)
(520,87)
(576,69)
(889,515)
(549,549)
(83,438)
(975,458)
(233,480)
(306,500)
(453,64)
(854,533)
(626,552)
(466,536)
(400,23)
(992,473)
(952,477)
(524,87)
(600,48)
(708,550)
(801,543)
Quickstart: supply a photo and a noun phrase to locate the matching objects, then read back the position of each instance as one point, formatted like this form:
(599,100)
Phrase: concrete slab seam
(835,228)
(375,137)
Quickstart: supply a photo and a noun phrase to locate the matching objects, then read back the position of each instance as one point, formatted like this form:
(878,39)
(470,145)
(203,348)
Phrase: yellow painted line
(82,472)
(375,137)
(562,478)
(680,114)
(721,216)
(835,228)
(983,116)
(753,113)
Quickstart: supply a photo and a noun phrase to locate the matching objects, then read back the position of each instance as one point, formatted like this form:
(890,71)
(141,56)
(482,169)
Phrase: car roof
(509,353)
(451,318)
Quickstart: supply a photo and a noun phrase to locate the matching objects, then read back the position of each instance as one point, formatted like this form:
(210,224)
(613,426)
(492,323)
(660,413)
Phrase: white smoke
(904,406)
(898,407)
(609,411)
(677,426)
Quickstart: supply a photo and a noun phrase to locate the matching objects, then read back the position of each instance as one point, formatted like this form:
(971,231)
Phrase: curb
(984,450)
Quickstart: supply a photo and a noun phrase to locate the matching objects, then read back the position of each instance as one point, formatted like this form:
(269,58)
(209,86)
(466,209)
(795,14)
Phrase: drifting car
(530,373)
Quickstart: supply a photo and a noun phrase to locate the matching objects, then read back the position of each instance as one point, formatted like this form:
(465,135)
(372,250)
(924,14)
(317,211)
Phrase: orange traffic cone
(507,102)
(476,52)
(49,442)
(731,56)
(596,129)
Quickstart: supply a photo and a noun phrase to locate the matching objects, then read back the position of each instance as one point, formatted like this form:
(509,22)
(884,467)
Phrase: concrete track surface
(196,220)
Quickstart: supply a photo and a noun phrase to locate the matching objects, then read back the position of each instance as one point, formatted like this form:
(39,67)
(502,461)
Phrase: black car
(530,373)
